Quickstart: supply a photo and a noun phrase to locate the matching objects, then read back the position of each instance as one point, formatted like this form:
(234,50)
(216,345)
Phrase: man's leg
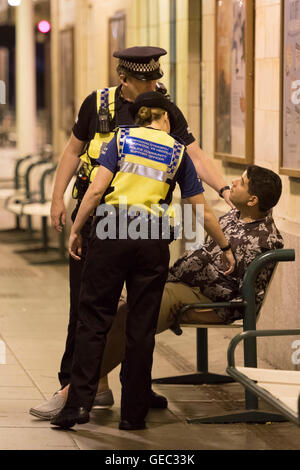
(176,294)
(114,350)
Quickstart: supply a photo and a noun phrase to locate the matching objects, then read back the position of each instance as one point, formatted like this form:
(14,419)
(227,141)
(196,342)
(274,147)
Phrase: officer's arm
(89,203)
(213,228)
(66,169)
(207,171)
(92,197)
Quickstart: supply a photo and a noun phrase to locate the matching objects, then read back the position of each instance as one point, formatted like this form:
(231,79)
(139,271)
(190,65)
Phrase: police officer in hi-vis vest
(103,110)
(137,175)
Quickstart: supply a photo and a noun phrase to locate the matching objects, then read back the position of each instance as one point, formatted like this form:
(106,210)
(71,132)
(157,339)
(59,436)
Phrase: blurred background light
(44,26)
(14,3)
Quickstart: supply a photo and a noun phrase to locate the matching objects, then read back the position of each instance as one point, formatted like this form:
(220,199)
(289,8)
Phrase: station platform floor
(34,303)
(33,324)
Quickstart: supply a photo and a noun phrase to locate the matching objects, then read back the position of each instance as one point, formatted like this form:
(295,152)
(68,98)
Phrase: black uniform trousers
(75,274)
(143,265)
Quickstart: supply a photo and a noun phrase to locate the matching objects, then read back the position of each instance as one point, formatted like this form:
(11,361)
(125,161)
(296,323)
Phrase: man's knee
(166,313)
(174,297)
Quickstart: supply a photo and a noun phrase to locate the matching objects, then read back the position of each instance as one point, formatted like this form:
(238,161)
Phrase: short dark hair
(266,185)
(121,70)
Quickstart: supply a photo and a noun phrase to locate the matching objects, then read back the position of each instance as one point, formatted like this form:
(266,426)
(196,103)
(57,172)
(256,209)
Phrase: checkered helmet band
(152,66)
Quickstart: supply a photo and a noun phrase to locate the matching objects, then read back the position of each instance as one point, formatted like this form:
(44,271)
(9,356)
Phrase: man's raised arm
(213,229)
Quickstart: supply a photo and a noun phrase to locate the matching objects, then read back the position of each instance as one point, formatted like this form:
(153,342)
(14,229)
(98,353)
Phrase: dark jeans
(143,264)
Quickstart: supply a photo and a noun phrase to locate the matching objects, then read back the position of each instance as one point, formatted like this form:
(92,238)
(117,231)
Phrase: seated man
(198,276)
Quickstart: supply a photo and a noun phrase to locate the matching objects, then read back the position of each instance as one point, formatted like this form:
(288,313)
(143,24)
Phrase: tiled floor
(33,323)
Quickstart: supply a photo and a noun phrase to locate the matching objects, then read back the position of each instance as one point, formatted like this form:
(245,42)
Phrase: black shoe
(68,417)
(126,426)
(158,401)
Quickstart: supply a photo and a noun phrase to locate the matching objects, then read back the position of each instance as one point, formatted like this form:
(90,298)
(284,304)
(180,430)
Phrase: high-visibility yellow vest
(105,98)
(148,163)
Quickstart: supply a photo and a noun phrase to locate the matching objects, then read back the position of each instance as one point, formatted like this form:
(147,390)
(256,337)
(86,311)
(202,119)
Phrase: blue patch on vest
(146,149)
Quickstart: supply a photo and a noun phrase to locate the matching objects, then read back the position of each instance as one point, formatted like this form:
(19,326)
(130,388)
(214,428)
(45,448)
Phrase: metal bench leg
(251,413)
(45,249)
(45,240)
(62,259)
(16,230)
(247,416)
(202,376)
(18,234)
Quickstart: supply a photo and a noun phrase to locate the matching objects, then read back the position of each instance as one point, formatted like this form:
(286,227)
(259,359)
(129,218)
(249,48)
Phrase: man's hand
(229,260)
(58,214)
(75,245)
(173,311)
(226,194)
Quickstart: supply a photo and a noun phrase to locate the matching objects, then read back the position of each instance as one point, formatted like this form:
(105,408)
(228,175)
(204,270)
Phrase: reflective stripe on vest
(148,163)
(106,98)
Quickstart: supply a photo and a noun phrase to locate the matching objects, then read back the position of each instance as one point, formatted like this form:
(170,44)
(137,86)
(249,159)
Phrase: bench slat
(271,375)
(236,324)
(283,385)
(287,394)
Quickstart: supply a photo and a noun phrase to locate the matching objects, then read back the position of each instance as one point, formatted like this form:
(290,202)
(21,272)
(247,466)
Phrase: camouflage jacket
(203,268)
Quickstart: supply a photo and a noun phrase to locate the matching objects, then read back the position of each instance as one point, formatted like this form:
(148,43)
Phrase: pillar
(25,78)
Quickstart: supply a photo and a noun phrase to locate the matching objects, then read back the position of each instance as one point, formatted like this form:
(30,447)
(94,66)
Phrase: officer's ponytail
(146,115)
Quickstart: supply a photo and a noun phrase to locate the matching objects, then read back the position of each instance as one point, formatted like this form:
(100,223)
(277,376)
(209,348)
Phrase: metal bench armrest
(43,181)
(17,169)
(254,333)
(253,270)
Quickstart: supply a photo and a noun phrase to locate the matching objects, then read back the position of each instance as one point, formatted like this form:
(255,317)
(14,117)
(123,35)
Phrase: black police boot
(68,417)
(158,401)
(127,426)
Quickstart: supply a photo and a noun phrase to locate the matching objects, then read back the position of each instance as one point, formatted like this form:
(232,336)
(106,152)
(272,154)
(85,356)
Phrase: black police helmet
(141,62)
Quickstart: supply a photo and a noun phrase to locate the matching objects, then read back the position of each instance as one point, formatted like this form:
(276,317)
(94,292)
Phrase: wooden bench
(250,314)
(279,388)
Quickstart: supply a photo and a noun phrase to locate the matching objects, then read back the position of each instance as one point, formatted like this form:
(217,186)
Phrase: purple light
(44,26)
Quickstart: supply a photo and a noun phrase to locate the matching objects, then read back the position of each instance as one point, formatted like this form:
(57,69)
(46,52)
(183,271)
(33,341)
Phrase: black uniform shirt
(86,124)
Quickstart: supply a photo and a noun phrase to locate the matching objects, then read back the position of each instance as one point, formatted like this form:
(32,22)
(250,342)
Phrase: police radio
(105,120)
(160,87)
